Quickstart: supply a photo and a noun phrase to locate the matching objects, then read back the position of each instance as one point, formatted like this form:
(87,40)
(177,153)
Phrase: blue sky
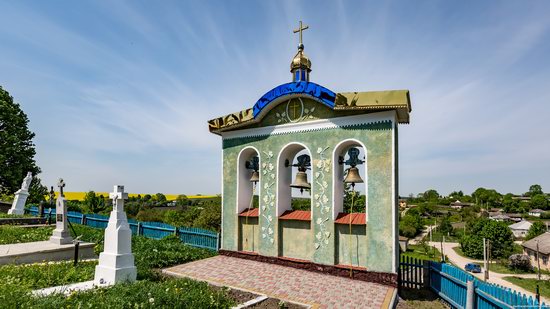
(119,92)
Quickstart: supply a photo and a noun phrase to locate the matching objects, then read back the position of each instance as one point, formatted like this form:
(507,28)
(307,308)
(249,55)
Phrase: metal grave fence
(157,230)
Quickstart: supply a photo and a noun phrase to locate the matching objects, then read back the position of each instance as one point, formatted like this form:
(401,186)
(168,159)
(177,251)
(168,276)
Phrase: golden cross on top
(300,29)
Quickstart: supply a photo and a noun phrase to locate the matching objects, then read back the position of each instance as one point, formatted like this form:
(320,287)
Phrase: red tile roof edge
(254,212)
(356,218)
(301,215)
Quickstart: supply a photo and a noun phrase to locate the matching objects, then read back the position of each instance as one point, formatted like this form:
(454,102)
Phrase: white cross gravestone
(61,235)
(18,205)
(116,262)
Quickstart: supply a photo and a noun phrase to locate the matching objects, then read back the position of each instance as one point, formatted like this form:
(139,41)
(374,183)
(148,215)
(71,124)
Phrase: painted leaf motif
(312,109)
(318,236)
(327,234)
(317,245)
(272,240)
(326,241)
(306,110)
(264,235)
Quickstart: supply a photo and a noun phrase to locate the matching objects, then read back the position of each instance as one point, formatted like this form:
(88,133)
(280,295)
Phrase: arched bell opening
(350,205)
(248,212)
(294,202)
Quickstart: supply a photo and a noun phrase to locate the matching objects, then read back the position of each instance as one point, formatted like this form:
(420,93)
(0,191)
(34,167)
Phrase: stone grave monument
(18,206)
(61,235)
(116,262)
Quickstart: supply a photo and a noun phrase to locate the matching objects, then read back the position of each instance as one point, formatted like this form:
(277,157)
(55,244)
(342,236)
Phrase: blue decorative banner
(318,92)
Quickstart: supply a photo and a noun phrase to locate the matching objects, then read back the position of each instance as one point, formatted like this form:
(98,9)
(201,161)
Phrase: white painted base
(116,262)
(18,205)
(60,237)
(108,275)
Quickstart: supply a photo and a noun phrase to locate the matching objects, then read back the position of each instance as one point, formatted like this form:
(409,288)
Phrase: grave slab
(65,289)
(34,252)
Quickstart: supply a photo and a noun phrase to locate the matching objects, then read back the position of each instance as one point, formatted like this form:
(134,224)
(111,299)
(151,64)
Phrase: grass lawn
(418,252)
(531,284)
(42,275)
(15,234)
(152,291)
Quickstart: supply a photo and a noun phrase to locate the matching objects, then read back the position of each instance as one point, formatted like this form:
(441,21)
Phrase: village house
(458,204)
(520,229)
(536,212)
(530,249)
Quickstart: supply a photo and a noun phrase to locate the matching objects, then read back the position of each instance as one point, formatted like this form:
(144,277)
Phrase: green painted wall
(378,139)
(358,249)
(249,234)
(296,239)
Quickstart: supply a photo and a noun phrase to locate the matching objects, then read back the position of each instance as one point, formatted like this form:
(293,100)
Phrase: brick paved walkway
(286,283)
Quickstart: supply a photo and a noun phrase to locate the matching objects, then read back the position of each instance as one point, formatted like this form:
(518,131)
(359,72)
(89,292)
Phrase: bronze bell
(353,176)
(301,182)
(255,176)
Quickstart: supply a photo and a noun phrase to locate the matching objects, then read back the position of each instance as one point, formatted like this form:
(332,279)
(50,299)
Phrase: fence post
(219,242)
(175,231)
(83,219)
(426,273)
(139,231)
(470,295)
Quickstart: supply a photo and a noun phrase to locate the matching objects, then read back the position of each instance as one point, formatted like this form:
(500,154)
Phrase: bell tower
(339,151)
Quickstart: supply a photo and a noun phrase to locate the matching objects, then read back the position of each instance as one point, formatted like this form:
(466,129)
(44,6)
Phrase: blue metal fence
(450,283)
(157,230)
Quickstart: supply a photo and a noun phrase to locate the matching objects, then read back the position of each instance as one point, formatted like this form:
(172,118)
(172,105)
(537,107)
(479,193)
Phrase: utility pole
(442,254)
(538,264)
(486,272)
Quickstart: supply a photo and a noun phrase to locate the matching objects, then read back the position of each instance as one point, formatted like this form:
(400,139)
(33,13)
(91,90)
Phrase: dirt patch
(276,303)
(241,297)
(421,299)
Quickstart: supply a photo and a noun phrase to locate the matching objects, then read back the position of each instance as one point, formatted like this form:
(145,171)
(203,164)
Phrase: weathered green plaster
(358,248)
(296,239)
(377,138)
(249,234)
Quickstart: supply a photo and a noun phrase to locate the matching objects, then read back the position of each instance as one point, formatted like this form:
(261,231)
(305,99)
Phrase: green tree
(445,226)
(431,195)
(538,228)
(498,233)
(16,146)
(93,203)
(534,190)
(539,201)
(487,197)
(37,192)
(210,218)
(182,200)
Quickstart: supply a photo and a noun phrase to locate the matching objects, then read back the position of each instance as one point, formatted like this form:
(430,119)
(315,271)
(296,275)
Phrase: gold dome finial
(300,65)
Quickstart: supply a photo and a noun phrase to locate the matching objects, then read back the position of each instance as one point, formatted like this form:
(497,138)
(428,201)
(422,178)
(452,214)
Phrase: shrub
(150,215)
(519,262)
(538,228)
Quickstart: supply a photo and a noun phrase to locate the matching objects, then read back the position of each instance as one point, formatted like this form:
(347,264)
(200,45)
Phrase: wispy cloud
(121,92)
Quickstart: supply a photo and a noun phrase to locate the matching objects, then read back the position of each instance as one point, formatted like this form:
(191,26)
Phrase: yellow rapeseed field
(79,196)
